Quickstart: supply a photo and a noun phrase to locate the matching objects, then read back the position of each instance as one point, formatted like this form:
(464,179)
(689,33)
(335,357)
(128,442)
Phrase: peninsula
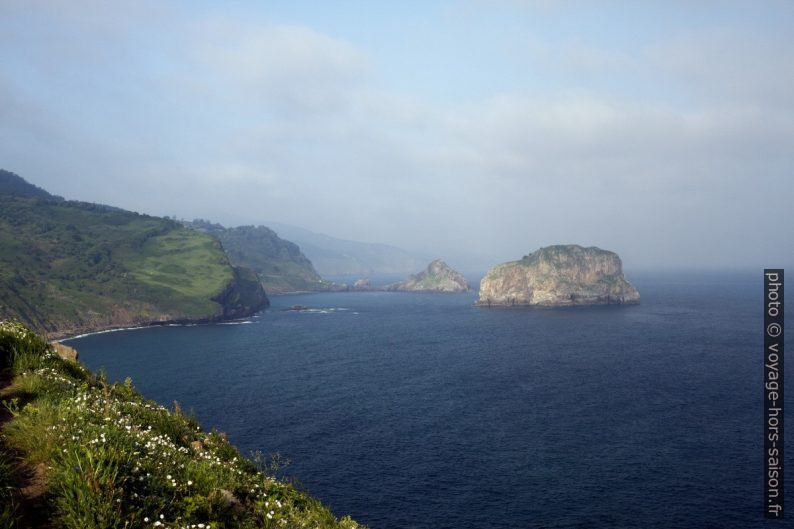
(70,267)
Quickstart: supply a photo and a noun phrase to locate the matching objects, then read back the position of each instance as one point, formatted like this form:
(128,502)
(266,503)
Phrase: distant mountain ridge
(69,267)
(339,257)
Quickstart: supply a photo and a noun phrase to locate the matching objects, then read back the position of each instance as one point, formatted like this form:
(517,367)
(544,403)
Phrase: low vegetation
(68,267)
(93,455)
(280,264)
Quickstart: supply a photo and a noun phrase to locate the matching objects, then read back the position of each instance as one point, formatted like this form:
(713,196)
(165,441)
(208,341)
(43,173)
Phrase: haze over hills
(339,257)
(68,267)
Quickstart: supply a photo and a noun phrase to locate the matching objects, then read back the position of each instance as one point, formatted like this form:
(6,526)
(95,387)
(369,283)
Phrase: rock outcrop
(65,352)
(363,285)
(243,295)
(437,277)
(559,275)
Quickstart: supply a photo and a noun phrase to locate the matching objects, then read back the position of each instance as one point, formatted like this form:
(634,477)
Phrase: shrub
(117,460)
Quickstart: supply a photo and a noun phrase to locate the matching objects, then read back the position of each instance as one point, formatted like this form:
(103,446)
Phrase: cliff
(280,264)
(559,275)
(437,277)
(242,296)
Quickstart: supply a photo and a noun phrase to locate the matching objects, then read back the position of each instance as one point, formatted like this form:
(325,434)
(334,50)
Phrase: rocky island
(559,275)
(437,277)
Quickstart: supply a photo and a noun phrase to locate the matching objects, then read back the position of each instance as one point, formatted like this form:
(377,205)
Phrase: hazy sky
(663,131)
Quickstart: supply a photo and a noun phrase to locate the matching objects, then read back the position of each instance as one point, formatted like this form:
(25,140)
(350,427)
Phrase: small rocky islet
(559,275)
(437,277)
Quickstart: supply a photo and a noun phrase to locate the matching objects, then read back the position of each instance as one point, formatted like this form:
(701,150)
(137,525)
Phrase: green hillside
(79,453)
(281,265)
(69,267)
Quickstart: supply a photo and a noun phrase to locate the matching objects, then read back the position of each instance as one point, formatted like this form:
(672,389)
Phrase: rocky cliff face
(363,285)
(559,275)
(437,277)
(243,295)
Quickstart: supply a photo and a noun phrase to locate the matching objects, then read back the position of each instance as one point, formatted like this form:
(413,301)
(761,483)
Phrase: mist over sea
(413,410)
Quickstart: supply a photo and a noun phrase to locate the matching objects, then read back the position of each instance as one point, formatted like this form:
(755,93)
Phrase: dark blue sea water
(423,411)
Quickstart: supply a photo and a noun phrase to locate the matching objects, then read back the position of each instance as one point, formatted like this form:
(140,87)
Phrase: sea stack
(437,277)
(559,275)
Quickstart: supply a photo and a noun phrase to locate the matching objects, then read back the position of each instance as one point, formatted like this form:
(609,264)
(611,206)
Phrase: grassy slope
(76,266)
(280,264)
(112,459)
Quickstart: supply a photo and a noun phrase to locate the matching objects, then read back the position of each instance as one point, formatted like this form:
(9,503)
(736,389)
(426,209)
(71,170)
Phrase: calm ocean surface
(423,411)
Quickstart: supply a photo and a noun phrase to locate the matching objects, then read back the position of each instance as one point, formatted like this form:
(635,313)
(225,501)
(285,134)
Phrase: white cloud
(246,120)
(733,65)
(279,68)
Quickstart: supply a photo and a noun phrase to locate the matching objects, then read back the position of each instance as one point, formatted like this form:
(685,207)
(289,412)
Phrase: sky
(472,130)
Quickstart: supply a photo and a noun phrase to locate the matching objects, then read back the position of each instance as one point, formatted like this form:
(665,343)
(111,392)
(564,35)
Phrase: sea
(413,410)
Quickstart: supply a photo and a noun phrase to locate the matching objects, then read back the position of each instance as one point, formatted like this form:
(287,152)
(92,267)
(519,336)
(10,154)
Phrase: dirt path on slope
(31,479)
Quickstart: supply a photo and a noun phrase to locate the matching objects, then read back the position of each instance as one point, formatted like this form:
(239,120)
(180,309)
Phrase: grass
(116,460)
(73,266)
(280,264)
(181,263)
(570,255)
